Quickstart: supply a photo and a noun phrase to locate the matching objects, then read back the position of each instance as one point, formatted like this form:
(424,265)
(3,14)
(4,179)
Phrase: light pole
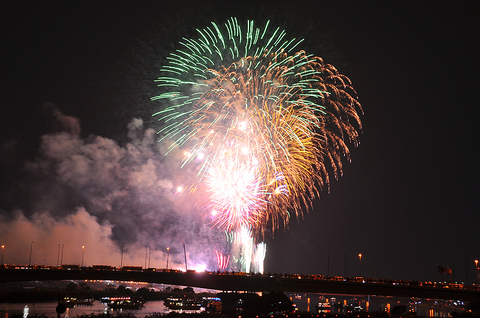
(30,259)
(121,256)
(477,274)
(83,254)
(168,255)
(149,255)
(61,257)
(3,250)
(360,259)
(185,254)
(146,249)
(58,255)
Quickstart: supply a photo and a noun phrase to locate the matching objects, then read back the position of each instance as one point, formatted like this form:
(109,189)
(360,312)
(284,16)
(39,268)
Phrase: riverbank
(32,292)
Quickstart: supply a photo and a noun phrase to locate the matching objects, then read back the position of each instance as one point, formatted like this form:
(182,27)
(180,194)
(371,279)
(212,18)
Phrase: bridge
(250,282)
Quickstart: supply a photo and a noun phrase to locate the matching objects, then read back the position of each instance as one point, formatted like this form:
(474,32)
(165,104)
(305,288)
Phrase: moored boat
(323,307)
(71,302)
(177,303)
(125,303)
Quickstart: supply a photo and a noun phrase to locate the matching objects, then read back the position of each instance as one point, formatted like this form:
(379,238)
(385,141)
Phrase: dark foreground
(273,304)
(219,315)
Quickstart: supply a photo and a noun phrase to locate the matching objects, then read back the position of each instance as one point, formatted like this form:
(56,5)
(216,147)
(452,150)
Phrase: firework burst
(260,121)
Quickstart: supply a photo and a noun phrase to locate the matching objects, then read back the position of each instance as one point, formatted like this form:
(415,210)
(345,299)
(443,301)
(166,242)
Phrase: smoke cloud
(96,193)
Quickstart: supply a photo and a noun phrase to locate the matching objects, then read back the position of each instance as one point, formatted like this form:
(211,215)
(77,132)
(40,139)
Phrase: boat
(105,300)
(125,303)
(177,303)
(323,307)
(71,302)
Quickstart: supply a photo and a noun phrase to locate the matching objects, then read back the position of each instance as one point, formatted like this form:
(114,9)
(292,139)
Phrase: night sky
(80,76)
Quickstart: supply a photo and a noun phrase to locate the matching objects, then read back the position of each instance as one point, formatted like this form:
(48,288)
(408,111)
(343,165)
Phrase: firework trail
(260,120)
(222,260)
(246,255)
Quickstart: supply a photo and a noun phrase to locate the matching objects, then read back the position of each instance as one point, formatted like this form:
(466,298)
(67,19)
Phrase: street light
(61,257)
(360,259)
(477,273)
(185,254)
(146,254)
(58,255)
(121,257)
(30,259)
(149,255)
(168,255)
(3,250)
(83,254)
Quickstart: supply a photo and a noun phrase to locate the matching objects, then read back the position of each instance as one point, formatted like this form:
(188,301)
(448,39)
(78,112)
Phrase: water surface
(49,309)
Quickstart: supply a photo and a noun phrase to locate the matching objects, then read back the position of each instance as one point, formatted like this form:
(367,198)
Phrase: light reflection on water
(150,307)
(307,302)
(49,309)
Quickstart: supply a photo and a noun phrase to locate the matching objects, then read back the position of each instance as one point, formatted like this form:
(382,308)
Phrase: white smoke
(96,193)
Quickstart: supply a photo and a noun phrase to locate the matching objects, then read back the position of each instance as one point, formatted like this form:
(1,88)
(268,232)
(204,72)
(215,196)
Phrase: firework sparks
(261,123)
(247,256)
(234,189)
(222,260)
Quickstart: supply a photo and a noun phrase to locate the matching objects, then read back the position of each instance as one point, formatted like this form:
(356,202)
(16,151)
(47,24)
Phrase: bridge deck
(252,283)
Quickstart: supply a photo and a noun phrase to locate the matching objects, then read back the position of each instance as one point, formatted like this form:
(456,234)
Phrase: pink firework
(222,260)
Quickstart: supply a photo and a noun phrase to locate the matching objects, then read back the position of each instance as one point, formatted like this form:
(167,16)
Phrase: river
(305,303)
(49,309)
